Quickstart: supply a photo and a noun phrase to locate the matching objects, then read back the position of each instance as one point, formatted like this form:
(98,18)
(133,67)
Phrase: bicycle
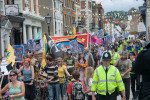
(41,90)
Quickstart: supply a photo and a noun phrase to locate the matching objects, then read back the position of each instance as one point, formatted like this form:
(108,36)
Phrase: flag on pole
(55,51)
(43,63)
(38,34)
(45,46)
(10,55)
(74,32)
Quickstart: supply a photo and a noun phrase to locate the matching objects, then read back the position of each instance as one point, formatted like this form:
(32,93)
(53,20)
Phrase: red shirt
(69,89)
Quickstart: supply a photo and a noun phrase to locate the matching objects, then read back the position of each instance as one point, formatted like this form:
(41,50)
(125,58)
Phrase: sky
(117,5)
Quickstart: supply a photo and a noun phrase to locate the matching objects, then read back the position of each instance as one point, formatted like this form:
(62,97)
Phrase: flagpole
(90,41)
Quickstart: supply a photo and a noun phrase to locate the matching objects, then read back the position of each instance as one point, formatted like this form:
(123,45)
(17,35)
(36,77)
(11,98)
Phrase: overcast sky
(111,5)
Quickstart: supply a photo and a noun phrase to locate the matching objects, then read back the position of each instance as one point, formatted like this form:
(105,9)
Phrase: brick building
(56,25)
(97,20)
(68,15)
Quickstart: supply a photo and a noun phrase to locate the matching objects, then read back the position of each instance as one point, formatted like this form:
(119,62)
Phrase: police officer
(114,55)
(106,79)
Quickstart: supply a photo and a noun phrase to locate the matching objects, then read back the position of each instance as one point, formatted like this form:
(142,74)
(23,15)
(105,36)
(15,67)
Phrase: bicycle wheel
(37,94)
(45,94)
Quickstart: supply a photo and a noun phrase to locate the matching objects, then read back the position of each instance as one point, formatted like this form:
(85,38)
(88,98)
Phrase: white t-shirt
(89,85)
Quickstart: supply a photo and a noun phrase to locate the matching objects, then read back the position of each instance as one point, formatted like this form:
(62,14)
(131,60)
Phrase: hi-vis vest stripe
(103,86)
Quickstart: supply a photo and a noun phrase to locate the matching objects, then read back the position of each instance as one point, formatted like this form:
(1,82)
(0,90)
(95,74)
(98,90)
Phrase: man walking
(70,62)
(124,66)
(89,57)
(53,81)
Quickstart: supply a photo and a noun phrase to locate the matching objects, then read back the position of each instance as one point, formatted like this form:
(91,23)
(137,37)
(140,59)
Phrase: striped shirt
(52,71)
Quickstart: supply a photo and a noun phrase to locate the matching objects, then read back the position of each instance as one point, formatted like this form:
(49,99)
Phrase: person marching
(70,62)
(114,56)
(106,79)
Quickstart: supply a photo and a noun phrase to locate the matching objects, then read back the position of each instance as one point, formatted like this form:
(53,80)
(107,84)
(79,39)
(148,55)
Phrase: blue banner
(25,48)
(30,45)
(73,44)
(36,45)
(18,51)
(100,34)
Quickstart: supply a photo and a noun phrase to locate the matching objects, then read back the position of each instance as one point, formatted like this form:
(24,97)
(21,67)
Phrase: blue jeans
(62,89)
(53,91)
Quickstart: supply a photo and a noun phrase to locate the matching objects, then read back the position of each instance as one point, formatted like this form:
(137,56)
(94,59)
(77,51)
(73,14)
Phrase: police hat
(106,56)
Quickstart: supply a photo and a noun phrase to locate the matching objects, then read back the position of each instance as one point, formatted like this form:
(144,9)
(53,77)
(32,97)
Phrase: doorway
(17,39)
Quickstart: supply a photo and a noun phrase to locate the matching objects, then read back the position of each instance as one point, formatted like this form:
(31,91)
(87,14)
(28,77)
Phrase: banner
(30,45)
(25,47)
(74,47)
(3,65)
(105,43)
(18,51)
(63,41)
(36,44)
(100,34)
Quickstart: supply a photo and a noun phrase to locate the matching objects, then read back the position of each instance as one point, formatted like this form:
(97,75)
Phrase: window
(61,28)
(26,3)
(54,4)
(70,21)
(60,8)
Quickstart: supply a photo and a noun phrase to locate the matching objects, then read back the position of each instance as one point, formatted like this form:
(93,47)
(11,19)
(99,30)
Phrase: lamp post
(48,21)
(74,24)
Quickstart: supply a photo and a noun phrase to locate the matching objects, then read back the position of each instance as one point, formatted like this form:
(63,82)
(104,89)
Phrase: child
(75,86)
(61,73)
(89,79)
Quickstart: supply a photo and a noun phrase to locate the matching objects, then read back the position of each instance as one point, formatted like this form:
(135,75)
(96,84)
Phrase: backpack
(78,91)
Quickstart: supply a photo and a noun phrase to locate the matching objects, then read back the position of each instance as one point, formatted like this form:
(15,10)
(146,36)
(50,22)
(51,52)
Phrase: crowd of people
(100,72)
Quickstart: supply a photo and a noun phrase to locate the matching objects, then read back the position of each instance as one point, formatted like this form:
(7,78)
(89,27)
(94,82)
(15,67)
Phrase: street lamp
(74,24)
(48,21)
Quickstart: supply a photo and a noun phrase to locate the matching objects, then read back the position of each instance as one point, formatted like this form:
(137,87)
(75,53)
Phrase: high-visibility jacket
(130,48)
(114,58)
(139,49)
(106,82)
(121,47)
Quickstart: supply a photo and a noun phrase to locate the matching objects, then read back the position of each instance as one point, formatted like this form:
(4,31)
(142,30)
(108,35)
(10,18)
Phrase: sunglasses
(12,75)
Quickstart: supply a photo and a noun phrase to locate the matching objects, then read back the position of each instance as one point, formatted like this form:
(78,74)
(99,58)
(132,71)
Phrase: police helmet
(106,56)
